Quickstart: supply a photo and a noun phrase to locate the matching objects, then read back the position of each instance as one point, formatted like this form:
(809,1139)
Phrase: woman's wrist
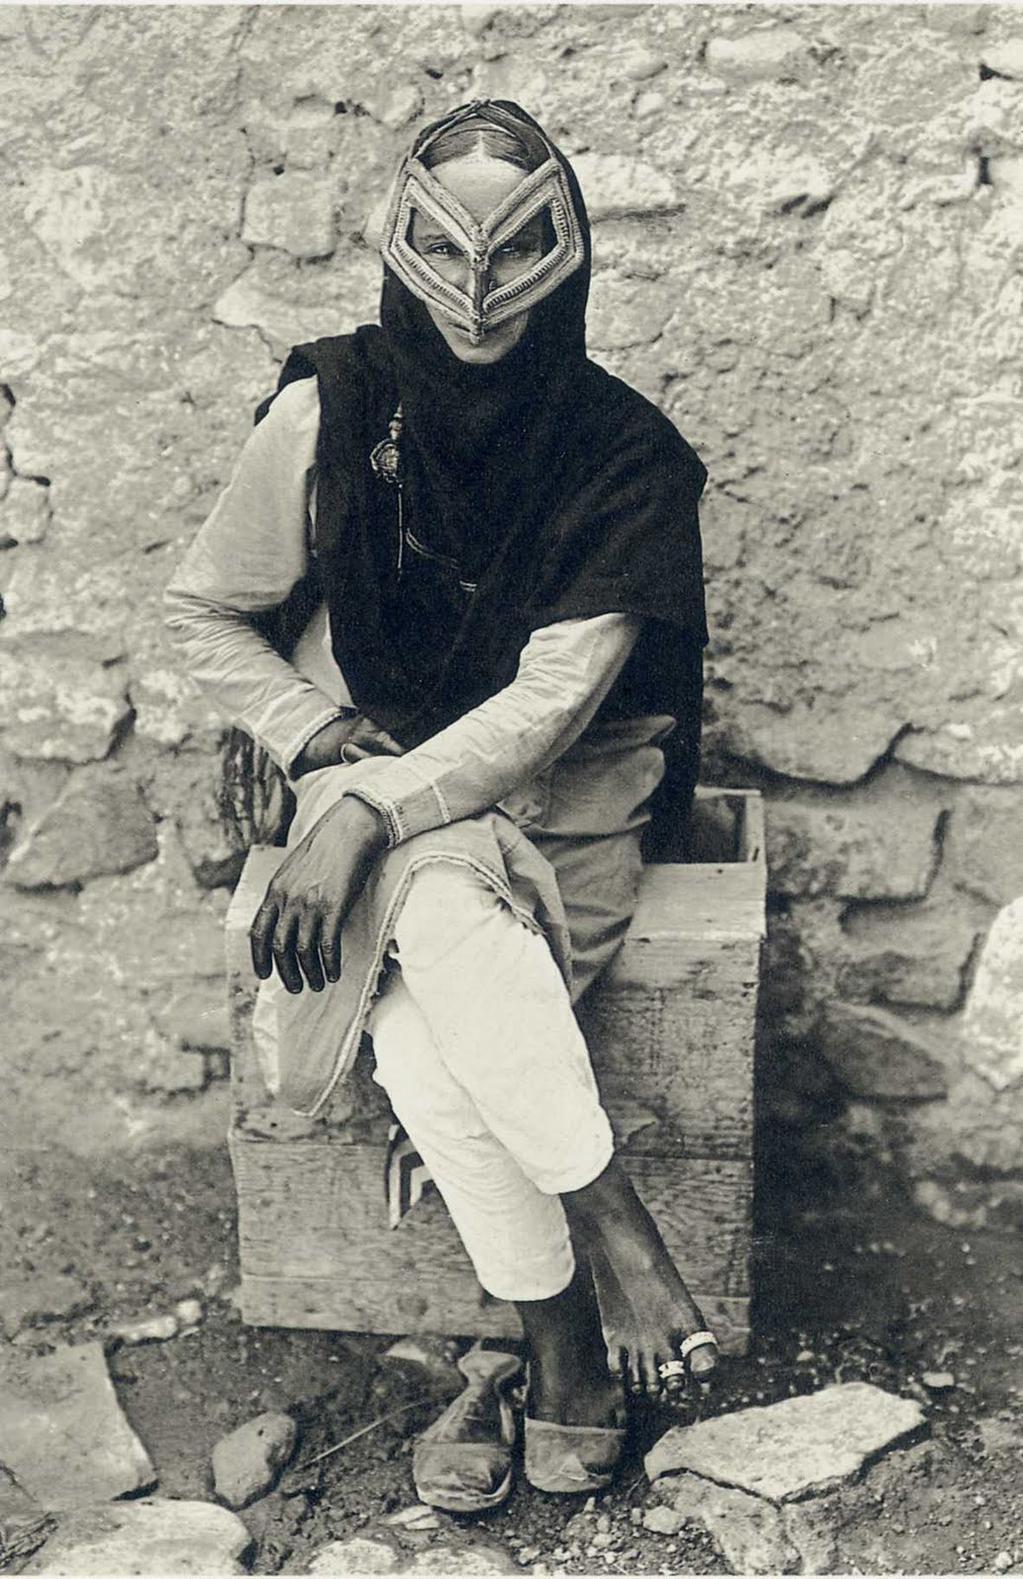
(323,750)
(363,822)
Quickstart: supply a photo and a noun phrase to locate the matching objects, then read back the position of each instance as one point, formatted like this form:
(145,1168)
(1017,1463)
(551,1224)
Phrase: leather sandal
(452,1468)
(571,1458)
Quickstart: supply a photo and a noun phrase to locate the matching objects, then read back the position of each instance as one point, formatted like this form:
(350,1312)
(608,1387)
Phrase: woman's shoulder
(321,377)
(641,430)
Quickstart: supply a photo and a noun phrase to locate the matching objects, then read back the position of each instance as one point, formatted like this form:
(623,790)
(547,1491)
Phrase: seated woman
(477,555)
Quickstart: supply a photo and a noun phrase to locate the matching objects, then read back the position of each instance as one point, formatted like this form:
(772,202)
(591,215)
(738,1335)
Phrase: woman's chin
(490,349)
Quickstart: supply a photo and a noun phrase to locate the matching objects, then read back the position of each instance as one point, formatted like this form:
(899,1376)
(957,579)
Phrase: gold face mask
(481,273)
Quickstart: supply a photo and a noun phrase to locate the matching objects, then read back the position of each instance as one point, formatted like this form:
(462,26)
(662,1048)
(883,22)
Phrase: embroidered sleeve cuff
(314,718)
(408,803)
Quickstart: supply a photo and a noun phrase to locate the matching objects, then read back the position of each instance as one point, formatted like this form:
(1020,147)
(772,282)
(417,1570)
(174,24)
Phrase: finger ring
(671,1368)
(695,1340)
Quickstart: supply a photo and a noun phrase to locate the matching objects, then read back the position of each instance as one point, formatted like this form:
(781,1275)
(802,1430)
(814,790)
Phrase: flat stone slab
(750,1532)
(152,1536)
(469,1560)
(24,1525)
(338,1559)
(62,1432)
(39,1299)
(790,1449)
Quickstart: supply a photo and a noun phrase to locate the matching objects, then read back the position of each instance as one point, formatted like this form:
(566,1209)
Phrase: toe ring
(671,1368)
(695,1340)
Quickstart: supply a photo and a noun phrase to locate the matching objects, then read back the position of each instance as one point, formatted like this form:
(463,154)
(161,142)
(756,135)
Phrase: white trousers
(481,1056)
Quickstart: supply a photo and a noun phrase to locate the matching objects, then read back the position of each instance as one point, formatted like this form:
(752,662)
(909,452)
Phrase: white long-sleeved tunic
(251,551)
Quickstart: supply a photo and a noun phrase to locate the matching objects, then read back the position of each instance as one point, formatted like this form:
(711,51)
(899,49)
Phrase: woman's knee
(446,904)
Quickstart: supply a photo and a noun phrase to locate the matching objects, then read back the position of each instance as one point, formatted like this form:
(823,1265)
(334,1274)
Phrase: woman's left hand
(298,925)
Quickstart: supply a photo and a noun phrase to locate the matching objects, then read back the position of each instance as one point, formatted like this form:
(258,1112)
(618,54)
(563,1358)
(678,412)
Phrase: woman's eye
(443,249)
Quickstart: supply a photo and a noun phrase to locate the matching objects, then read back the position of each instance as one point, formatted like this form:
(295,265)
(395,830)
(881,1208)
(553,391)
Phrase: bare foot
(568,1379)
(646,1310)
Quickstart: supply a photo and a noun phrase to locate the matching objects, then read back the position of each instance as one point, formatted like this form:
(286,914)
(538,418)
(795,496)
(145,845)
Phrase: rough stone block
(99,825)
(58,704)
(767,54)
(395,106)
(626,312)
(293,211)
(828,745)
(64,1436)
(880,851)
(151,1536)
(992,1038)
(983,851)
(25,514)
(194,1015)
(616,184)
(989,749)
(878,1055)
(1004,56)
(791,1449)
(915,956)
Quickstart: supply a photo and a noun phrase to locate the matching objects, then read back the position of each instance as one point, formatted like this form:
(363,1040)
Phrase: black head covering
(550,487)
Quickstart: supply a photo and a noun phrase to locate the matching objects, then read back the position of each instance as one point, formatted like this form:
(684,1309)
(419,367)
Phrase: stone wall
(808,251)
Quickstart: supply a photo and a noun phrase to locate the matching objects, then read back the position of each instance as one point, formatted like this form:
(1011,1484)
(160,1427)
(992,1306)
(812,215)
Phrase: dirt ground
(850,1285)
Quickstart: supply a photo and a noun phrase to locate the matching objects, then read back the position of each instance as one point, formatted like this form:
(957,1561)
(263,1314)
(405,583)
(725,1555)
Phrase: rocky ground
(851,1288)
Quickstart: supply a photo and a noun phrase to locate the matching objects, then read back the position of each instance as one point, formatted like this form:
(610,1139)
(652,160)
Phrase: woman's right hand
(360,734)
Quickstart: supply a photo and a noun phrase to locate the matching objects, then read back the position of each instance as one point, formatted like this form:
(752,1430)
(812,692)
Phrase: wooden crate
(670,1027)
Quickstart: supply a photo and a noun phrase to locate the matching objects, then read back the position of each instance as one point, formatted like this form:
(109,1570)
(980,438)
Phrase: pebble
(188,1313)
(938,1381)
(604,1523)
(1003,1562)
(635,1515)
(151,1329)
(433,1354)
(662,1521)
(420,1516)
(215,1280)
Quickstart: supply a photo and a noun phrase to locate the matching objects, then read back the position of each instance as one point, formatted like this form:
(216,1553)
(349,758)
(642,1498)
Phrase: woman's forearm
(245,678)
(246,558)
(565,673)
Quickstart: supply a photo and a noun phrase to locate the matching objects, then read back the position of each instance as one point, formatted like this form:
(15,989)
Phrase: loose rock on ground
(246,1463)
(791,1448)
(62,1432)
(154,1535)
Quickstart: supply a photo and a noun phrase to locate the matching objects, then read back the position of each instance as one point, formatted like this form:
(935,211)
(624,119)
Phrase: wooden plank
(334,1304)
(684,1050)
(310,1210)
